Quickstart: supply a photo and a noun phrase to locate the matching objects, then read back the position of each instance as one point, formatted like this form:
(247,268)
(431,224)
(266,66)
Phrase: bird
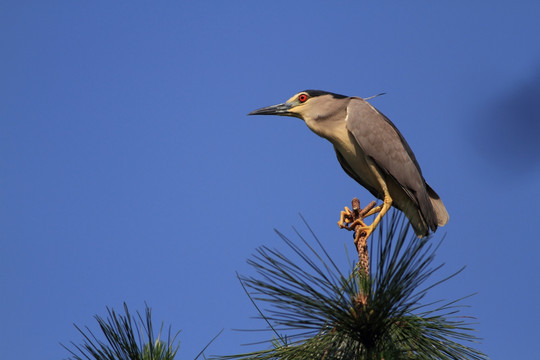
(372,151)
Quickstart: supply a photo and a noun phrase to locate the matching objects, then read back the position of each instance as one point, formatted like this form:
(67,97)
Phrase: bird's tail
(438,207)
(428,215)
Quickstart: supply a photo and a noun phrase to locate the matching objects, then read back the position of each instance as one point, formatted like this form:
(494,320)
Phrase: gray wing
(384,144)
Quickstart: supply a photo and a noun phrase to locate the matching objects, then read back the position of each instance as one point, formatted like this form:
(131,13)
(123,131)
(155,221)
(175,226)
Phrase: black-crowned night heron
(372,151)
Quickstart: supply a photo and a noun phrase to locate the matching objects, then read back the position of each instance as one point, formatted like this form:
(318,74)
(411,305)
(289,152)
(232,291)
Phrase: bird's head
(307,105)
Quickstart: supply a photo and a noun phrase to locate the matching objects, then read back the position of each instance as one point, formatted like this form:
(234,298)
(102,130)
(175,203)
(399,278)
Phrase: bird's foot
(363,232)
(357,224)
(353,220)
(347,220)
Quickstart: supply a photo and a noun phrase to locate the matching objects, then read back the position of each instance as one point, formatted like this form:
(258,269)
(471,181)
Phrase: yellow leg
(381,209)
(373,211)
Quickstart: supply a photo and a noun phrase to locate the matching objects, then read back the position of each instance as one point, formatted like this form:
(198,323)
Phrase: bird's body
(372,151)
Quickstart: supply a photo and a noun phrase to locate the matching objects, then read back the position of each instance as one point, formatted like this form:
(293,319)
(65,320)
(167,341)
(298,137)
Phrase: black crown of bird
(372,151)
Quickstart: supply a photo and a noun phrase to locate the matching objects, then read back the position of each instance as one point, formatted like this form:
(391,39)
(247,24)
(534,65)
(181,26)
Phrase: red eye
(302,98)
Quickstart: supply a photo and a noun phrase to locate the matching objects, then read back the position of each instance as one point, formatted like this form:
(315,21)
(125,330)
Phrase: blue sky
(130,171)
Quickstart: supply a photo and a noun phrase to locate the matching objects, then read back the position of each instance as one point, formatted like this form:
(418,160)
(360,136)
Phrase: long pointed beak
(279,109)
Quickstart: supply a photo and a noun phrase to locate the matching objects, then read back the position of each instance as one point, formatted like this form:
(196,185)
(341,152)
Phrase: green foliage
(126,339)
(328,315)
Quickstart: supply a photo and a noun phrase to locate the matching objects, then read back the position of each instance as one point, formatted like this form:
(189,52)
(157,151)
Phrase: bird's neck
(331,127)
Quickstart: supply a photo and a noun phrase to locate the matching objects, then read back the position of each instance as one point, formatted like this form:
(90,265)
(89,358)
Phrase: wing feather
(383,143)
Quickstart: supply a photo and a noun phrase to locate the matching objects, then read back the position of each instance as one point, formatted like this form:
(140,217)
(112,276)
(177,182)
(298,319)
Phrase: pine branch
(318,308)
(127,338)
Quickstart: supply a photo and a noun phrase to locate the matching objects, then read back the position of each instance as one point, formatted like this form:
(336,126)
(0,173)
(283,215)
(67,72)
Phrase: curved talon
(345,219)
(365,231)
(356,223)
